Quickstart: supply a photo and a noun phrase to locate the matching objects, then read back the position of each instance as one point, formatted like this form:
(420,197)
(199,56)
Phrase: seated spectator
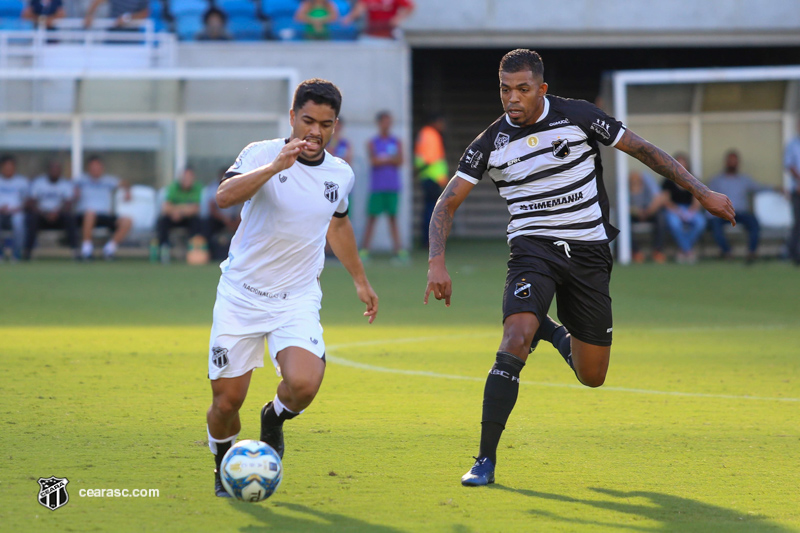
(95,194)
(221,223)
(647,205)
(122,11)
(44,13)
(383,16)
(684,216)
(317,15)
(50,207)
(738,187)
(13,195)
(181,209)
(214,26)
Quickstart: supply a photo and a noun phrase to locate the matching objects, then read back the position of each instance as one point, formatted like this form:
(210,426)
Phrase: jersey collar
(545,111)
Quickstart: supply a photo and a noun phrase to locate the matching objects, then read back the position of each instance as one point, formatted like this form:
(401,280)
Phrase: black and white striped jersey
(550,172)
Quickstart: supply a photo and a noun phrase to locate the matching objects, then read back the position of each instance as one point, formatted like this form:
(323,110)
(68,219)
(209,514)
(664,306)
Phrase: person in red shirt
(383,16)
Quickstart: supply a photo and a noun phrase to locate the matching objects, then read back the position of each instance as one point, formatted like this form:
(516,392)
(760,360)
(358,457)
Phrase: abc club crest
(53,492)
(561,148)
(331,191)
(522,290)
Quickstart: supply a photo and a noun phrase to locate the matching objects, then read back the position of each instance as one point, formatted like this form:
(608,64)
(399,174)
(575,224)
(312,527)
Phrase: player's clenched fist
(289,154)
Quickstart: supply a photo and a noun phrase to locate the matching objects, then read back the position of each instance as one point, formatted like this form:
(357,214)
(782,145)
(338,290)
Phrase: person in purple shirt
(386,158)
(739,188)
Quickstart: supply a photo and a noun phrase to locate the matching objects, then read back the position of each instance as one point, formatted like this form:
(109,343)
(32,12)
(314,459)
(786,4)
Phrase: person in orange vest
(431,167)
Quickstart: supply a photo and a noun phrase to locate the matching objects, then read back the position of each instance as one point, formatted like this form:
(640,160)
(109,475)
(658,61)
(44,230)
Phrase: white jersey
(278,251)
(13,191)
(97,194)
(51,196)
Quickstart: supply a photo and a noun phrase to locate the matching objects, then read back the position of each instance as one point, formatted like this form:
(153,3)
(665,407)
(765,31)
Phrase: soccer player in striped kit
(542,155)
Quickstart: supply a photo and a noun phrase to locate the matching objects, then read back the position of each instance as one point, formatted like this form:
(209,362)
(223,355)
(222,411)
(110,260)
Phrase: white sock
(277,404)
(212,442)
(87,248)
(110,248)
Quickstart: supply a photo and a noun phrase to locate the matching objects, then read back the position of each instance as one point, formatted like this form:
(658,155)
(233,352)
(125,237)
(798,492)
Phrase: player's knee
(227,405)
(514,341)
(591,378)
(303,391)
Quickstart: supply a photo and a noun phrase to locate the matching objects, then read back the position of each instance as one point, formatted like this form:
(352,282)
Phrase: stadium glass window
(660,99)
(745,96)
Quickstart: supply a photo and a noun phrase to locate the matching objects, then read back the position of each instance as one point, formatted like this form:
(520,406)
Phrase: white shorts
(239,329)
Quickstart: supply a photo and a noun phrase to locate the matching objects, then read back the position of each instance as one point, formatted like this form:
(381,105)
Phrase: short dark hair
(382,115)
(214,11)
(6,158)
(320,92)
(522,59)
(92,158)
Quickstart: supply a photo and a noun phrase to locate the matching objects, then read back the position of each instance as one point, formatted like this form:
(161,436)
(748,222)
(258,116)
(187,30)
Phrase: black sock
(562,340)
(222,449)
(271,418)
(546,329)
(499,397)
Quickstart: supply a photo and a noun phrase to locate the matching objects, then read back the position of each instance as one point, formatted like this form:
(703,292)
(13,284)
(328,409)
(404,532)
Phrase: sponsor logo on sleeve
(501,140)
(473,158)
(600,127)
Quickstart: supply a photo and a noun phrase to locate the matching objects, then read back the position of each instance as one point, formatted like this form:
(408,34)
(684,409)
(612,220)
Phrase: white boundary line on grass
(425,373)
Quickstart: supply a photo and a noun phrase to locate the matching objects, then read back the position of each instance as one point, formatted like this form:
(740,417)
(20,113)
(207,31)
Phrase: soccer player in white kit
(295,195)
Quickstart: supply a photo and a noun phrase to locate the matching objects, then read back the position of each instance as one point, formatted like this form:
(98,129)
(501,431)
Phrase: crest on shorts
(523,290)
(501,140)
(53,492)
(561,148)
(331,191)
(219,356)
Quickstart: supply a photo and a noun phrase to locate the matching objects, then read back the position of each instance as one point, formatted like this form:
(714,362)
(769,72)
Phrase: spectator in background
(430,165)
(339,146)
(738,187)
(13,195)
(51,207)
(181,208)
(214,26)
(684,215)
(647,205)
(386,157)
(317,15)
(791,160)
(383,17)
(95,191)
(44,13)
(122,11)
(220,221)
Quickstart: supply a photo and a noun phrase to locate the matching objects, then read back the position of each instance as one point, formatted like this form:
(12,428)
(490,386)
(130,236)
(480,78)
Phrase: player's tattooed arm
(439,282)
(663,163)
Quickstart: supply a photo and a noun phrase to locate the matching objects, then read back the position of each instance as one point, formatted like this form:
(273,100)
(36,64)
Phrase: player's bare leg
(500,393)
(366,242)
(302,373)
(124,225)
(590,362)
(395,232)
(223,419)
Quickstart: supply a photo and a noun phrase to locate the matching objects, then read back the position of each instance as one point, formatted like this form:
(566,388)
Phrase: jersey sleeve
(246,162)
(475,160)
(597,124)
(344,202)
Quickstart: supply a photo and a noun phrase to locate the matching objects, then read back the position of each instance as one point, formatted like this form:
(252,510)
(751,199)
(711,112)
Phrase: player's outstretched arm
(238,189)
(343,243)
(657,159)
(439,282)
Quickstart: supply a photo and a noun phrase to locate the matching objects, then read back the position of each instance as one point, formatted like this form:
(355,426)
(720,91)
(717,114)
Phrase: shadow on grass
(301,518)
(673,513)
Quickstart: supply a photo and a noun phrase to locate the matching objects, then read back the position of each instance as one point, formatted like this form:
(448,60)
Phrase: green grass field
(696,429)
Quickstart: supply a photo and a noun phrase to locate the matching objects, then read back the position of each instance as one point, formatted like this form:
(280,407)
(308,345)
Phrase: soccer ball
(251,471)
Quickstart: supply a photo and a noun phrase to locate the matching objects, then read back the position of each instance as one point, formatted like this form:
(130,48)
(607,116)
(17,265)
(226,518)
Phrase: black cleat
(272,435)
(219,489)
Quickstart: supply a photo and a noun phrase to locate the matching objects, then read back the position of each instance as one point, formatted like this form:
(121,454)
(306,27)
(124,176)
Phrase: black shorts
(102,221)
(540,269)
